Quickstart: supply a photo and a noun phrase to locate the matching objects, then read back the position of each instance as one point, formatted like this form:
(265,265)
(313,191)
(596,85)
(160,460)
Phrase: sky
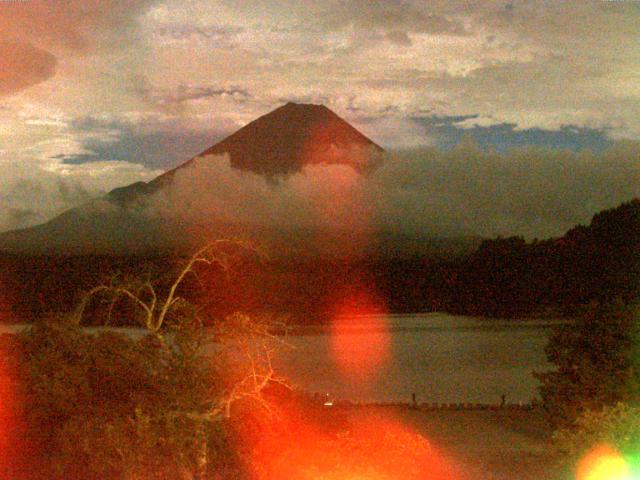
(96,94)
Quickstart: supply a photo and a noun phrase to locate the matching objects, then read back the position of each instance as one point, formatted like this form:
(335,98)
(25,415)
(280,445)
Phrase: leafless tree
(246,344)
(157,310)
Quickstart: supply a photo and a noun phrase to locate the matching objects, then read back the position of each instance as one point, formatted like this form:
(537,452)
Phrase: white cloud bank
(530,192)
(30,194)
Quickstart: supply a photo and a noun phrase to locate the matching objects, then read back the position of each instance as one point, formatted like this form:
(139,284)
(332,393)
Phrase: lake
(442,358)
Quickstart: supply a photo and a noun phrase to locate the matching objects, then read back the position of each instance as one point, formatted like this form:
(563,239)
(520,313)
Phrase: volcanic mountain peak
(291,136)
(129,219)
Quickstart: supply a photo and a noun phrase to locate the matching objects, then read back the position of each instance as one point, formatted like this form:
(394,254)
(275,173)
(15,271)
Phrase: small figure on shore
(413,399)
(503,400)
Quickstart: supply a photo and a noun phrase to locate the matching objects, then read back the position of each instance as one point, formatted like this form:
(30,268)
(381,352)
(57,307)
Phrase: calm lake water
(440,357)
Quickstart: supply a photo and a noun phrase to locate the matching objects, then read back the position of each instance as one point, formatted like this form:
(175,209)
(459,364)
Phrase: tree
(108,405)
(596,363)
(161,313)
(616,426)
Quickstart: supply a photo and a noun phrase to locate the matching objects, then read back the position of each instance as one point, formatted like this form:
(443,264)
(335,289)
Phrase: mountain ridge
(276,144)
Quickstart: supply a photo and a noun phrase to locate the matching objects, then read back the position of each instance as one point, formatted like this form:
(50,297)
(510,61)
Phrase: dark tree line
(503,277)
(598,263)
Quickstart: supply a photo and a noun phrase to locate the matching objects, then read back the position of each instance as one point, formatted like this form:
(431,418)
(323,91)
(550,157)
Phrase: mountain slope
(599,262)
(281,143)
(277,144)
(284,140)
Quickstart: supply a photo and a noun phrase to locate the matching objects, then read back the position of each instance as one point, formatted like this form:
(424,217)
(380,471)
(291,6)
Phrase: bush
(596,364)
(616,426)
(106,406)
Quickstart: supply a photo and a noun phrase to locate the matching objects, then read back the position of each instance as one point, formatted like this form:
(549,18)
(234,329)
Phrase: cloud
(405,17)
(23,65)
(31,194)
(531,192)
(224,35)
(77,25)
(34,34)
(188,93)
(169,78)
(532,65)
(399,38)
(426,192)
(27,200)
(212,192)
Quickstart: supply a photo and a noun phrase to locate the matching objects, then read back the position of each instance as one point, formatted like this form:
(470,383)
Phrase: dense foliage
(106,406)
(616,426)
(596,263)
(596,363)
(146,403)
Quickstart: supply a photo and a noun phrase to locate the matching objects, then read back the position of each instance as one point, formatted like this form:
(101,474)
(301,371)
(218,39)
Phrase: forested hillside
(510,277)
(503,277)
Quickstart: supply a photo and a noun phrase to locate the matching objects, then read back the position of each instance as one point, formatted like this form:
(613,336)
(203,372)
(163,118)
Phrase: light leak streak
(9,445)
(359,354)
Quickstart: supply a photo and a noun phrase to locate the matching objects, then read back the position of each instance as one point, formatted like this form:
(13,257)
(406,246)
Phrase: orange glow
(339,199)
(360,356)
(372,447)
(603,463)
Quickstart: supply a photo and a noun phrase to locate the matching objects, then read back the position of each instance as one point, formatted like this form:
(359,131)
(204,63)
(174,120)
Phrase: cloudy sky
(96,94)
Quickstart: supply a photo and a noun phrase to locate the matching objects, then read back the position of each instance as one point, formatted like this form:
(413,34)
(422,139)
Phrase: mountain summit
(149,216)
(293,135)
(280,143)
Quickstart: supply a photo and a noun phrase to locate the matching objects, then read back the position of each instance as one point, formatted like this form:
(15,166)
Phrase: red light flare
(359,349)
(315,443)
(337,166)
(339,203)
(336,198)
(311,441)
